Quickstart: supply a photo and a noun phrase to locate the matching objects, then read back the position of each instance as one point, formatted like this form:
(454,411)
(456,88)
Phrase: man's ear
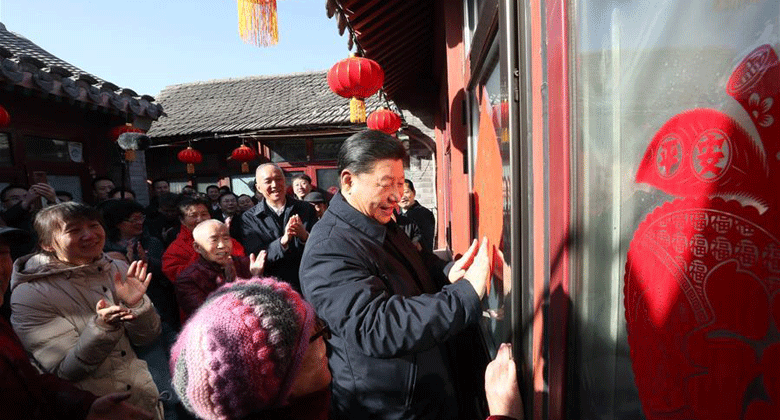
(197,247)
(346,180)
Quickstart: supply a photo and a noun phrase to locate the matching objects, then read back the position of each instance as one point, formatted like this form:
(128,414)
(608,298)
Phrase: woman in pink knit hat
(256,350)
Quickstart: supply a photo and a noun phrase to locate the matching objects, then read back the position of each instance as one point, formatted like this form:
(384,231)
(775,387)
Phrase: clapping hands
(131,289)
(256,264)
(295,228)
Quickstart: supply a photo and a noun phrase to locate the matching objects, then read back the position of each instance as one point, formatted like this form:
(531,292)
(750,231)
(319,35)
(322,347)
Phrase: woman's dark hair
(362,150)
(116,211)
(50,219)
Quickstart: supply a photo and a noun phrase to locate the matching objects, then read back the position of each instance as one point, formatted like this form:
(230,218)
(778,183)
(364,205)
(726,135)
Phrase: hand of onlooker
(256,264)
(113,406)
(462,264)
(501,389)
(46,191)
(136,252)
(113,314)
(132,289)
(300,230)
(478,273)
(29,199)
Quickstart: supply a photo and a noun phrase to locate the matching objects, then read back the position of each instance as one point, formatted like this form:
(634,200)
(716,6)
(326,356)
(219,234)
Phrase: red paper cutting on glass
(702,281)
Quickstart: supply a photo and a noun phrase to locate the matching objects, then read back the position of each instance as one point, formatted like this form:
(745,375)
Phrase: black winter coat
(262,229)
(393,317)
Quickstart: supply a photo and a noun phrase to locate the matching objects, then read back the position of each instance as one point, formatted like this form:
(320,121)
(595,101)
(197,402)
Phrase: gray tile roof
(255,103)
(25,64)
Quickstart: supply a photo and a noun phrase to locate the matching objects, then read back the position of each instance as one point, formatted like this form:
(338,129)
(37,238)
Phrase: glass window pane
(6,158)
(648,83)
(242,184)
(288,150)
(326,149)
(327,178)
(490,177)
(52,150)
(69,183)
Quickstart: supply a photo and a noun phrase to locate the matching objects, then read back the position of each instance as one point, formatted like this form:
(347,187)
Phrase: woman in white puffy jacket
(77,310)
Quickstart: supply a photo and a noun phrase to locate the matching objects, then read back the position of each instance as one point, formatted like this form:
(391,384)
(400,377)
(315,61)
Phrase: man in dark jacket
(30,395)
(278,224)
(420,215)
(394,313)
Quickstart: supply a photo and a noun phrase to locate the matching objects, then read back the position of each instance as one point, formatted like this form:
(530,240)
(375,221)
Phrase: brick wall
(422,160)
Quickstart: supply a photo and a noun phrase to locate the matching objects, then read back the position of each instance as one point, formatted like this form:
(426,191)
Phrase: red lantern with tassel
(356,78)
(190,156)
(243,154)
(5,117)
(121,129)
(384,120)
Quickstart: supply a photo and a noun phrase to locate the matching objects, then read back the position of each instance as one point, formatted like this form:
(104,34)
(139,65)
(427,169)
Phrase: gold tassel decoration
(190,168)
(357,110)
(257,22)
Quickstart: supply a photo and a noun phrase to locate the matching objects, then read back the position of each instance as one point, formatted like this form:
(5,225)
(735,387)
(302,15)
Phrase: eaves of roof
(25,64)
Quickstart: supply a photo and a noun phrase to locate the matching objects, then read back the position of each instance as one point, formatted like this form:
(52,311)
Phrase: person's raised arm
(360,307)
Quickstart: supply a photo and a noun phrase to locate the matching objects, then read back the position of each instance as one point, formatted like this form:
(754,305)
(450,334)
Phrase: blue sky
(146,45)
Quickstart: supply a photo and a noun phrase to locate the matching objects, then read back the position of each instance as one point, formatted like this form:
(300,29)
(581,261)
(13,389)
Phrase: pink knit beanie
(240,352)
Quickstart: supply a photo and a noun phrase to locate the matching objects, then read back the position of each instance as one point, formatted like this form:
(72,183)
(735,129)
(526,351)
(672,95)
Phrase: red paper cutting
(488,181)
(702,281)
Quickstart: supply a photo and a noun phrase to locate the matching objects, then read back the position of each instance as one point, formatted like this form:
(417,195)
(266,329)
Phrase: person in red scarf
(180,253)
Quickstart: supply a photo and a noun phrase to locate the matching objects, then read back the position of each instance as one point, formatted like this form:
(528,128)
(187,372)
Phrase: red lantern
(5,117)
(356,78)
(243,154)
(384,120)
(190,156)
(127,128)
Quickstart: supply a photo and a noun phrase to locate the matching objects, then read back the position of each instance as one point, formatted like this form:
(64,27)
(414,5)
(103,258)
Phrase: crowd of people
(287,304)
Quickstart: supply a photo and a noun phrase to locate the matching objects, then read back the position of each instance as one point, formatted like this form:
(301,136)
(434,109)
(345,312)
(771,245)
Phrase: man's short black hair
(121,190)
(192,201)
(362,150)
(11,187)
(65,193)
(226,194)
(410,184)
(211,186)
(101,178)
(156,180)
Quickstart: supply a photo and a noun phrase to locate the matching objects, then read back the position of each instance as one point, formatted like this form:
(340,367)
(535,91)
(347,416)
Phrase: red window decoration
(5,117)
(384,120)
(243,154)
(356,78)
(190,156)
